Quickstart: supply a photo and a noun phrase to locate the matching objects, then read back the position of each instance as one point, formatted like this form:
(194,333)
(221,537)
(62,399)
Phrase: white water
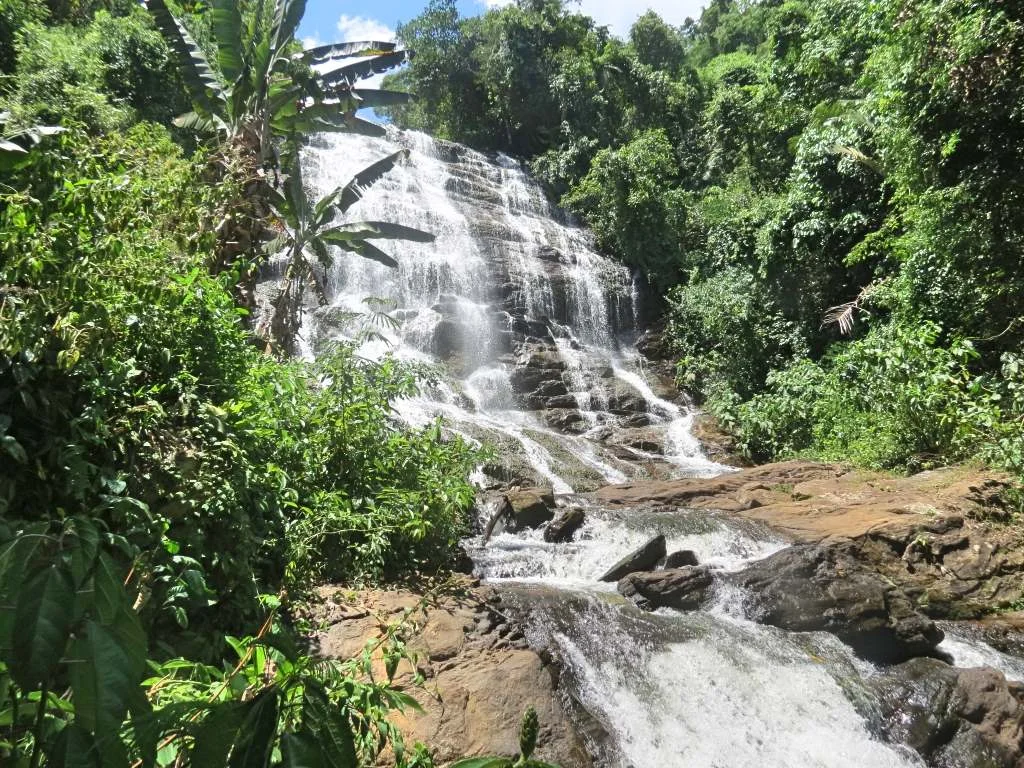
(505,281)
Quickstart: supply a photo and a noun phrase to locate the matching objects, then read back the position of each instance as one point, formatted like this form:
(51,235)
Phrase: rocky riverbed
(905,572)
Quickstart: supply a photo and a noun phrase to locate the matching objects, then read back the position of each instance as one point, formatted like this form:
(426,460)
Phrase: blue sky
(332,20)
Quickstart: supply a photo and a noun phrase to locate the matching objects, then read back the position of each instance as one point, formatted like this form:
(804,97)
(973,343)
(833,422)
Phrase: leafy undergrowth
(168,489)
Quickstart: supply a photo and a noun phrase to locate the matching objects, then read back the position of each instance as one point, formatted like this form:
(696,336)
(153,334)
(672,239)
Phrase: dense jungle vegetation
(169,488)
(825,194)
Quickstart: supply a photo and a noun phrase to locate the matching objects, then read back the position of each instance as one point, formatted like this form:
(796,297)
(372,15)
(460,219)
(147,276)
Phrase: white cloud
(619,15)
(362,28)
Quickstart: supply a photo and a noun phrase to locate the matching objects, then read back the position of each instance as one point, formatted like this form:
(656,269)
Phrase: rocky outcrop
(681,559)
(937,535)
(808,588)
(643,559)
(563,527)
(531,507)
(520,509)
(685,589)
(969,718)
(480,673)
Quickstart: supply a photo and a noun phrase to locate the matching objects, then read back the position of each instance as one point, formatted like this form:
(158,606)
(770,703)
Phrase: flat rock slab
(481,676)
(936,534)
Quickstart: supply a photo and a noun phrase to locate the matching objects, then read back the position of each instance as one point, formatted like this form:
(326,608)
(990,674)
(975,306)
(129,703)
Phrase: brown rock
(685,589)
(564,526)
(953,717)
(643,559)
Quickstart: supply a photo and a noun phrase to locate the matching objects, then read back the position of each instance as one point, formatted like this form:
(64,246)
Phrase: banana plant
(309,230)
(263,84)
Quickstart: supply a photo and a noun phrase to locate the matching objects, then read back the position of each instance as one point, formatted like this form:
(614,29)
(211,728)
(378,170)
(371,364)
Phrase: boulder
(643,559)
(808,588)
(681,559)
(685,589)
(564,526)
(950,716)
(530,507)
(566,420)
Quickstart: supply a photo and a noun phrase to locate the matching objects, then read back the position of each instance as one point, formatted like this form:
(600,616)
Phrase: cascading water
(534,328)
(533,334)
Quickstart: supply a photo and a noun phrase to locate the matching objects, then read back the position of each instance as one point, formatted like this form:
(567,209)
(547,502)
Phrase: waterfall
(533,331)
(531,336)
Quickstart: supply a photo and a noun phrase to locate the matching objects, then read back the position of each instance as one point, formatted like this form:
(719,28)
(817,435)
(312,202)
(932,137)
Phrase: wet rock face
(643,559)
(520,509)
(684,589)
(968,718)
(681,559)
(807,588)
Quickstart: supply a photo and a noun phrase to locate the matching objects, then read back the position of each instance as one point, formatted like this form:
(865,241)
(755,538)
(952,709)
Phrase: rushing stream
(534,334)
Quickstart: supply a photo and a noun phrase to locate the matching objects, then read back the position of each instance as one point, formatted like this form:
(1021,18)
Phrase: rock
(566,420)
(809,588)
(682,558)
(952,717)
(643,559)
(447,338)
(531,507)
(685,589)
(482,676)
(564,526)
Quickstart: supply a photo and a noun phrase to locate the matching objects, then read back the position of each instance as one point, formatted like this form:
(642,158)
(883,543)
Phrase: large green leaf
(287,15)
(105,679)
(303,750)
(330,726)
(205,88)
(368,251)
(74,748)
(334,51)
(375,97)
(15,557)
(345,196)
(384,230)
(256,737)
(483,762)
(227,30)
(215,735)
(43,616)
(357,70)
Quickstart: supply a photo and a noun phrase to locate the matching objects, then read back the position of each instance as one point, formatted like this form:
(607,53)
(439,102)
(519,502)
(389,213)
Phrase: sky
(332,21)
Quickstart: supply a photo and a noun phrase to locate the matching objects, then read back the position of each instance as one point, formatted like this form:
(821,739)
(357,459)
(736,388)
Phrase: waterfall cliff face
(533,330)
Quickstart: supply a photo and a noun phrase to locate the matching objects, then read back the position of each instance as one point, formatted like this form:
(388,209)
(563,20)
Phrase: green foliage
(160,472)
(812,188)
(106,75)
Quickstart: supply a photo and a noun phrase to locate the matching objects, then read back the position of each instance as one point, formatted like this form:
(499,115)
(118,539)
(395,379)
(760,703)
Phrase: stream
(531,335)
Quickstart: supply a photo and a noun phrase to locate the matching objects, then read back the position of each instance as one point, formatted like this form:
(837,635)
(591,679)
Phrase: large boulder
(807,588)
(681,559)
(531,507)
(969,718)
(564,526)
(685,589)
(643,559)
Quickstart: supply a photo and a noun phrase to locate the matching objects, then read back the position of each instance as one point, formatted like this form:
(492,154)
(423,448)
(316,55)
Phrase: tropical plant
(262,84)
(311,229)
